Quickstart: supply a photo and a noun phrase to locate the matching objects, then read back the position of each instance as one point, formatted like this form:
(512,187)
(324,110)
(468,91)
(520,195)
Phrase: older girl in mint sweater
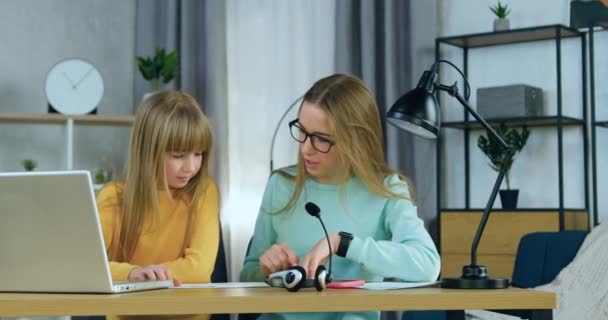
(367,208)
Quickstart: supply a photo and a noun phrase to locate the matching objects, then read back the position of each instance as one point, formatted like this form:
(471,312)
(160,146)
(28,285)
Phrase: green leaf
(492,148)
(161,67)
(170,68)
(500,10)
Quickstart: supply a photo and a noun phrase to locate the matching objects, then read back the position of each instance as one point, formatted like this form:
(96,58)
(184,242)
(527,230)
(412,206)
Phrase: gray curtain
(380,42)
(196,29)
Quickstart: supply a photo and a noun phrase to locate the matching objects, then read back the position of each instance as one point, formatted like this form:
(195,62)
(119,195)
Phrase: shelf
(602,124)
(69,122)
(603,24)
(95,119)
(514,210)
(510,36)
(515,122)
(547,37)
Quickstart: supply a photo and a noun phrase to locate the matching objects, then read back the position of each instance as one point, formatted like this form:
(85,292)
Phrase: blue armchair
(540,257)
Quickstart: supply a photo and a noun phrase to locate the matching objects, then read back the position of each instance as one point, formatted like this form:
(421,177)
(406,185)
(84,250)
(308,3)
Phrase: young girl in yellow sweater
(161,220)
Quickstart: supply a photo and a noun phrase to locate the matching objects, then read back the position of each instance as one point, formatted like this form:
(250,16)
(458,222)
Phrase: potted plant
(29,164)
(159,69)
(496,153)
(501,11)
(103,176)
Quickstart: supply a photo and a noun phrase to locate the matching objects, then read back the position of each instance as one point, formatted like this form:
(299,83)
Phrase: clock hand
(69,80)
(83,77)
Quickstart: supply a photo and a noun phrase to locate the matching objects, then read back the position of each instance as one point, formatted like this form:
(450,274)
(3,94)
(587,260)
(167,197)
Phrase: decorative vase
(501,24)
(508,198)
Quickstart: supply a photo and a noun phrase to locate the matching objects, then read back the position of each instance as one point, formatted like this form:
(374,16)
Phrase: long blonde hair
(168,121)
(354,123)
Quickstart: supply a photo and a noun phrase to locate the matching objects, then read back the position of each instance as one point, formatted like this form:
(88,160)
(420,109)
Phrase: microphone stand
(328,243)
(314,210)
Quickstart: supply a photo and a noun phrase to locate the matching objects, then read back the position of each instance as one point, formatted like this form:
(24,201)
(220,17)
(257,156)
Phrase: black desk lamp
(418,112)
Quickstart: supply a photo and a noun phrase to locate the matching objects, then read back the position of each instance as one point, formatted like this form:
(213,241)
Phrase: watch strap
(345,240)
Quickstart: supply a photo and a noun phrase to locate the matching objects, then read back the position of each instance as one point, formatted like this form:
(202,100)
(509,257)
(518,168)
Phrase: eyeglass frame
(296,123)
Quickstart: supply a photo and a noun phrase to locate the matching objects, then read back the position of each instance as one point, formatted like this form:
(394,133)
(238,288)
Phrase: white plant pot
(501,24)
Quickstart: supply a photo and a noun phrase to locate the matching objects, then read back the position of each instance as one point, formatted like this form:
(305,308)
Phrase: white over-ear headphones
(294,278)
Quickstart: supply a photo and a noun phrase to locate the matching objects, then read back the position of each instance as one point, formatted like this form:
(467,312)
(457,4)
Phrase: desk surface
(260,300)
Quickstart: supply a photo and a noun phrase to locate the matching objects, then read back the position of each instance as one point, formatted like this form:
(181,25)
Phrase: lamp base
(474,277)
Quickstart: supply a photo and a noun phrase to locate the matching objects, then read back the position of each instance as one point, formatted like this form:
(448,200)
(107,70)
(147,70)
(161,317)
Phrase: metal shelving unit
(556,33)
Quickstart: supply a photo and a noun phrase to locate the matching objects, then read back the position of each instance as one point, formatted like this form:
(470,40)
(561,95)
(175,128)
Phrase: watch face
(74,86)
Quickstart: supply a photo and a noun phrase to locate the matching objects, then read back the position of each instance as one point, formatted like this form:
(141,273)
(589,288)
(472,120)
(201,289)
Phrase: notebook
(50,236)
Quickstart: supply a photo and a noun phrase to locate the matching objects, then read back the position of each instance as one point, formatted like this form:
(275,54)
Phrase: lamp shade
(417,112)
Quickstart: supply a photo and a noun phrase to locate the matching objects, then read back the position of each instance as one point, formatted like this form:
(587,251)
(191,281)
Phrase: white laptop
(50,236)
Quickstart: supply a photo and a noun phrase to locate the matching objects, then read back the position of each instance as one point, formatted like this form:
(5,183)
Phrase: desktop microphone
(322,278)
(294,278)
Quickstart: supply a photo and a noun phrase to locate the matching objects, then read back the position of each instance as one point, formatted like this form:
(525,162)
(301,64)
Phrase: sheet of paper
(223,285)
(396,285)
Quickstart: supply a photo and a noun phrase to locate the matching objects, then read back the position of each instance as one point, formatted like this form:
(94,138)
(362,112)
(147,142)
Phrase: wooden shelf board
(105,119)
(97,119)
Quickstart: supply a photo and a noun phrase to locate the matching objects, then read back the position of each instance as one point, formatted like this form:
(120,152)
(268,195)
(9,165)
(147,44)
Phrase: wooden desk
(262,300)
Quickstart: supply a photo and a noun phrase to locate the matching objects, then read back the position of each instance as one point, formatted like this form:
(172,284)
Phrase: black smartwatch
(345,240)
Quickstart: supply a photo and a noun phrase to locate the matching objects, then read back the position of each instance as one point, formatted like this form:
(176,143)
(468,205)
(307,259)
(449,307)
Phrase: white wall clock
(74,86)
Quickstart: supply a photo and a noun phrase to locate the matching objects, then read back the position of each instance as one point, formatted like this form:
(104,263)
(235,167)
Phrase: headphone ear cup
(321,278)
(300,283)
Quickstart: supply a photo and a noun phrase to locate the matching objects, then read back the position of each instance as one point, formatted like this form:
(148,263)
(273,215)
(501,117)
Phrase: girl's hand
(176,283)
(277,258)
(319,254)
(151,272)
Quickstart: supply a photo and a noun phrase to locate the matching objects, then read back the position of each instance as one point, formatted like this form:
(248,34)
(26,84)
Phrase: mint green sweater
(389,238)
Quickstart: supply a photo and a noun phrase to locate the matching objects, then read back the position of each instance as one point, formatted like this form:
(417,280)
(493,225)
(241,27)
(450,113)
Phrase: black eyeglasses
(318,142)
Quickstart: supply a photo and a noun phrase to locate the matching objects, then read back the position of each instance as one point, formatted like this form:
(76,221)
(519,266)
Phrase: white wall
(535,170)
(276,50)
(36,35)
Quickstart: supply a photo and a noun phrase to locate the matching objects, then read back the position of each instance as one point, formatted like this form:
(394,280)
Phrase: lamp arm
(453,91)
(486,211)
(276,130)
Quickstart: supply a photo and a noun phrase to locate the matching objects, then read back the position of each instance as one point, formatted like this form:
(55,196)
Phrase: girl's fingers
(305,263)
(150,275)
(168,273)
(160,274)
(290,257)
(267,262)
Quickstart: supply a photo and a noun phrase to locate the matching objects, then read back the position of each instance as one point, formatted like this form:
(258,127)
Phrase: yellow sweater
(164,244)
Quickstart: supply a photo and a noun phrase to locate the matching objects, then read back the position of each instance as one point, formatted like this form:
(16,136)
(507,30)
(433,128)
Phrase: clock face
(74,86)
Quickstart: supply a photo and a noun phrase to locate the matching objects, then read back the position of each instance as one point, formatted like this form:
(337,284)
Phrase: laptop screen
(50,236)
